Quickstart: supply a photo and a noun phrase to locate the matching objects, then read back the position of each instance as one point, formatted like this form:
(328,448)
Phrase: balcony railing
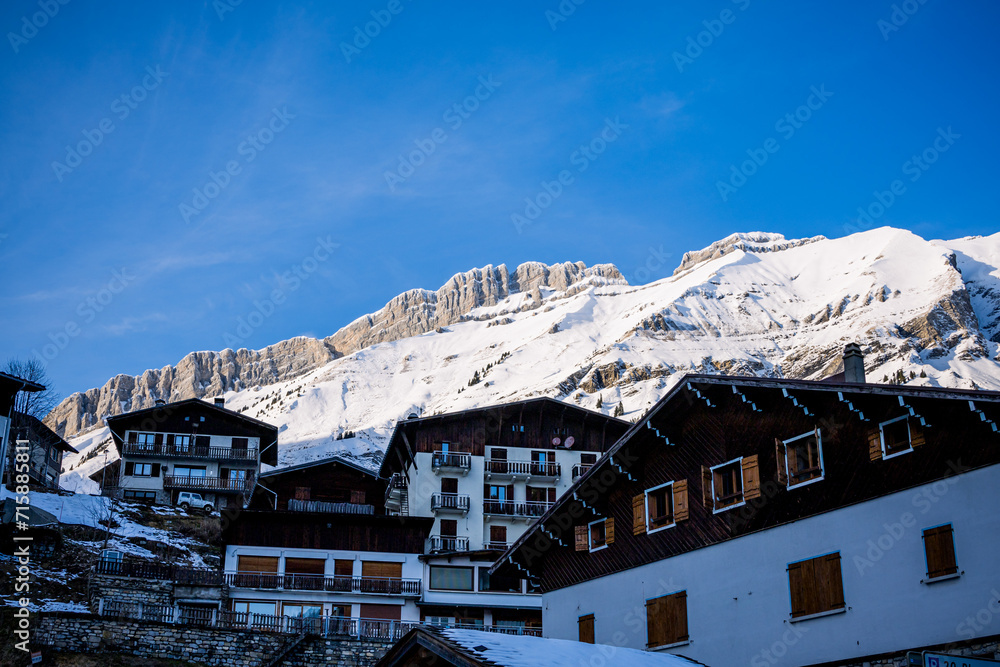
(580,468)
(449,543)
(507,468)
(187,576)
(511,508)
(318,582)
(497,546)
(457,460)
(324,626)
(190,452)
(450,502)
(218,484)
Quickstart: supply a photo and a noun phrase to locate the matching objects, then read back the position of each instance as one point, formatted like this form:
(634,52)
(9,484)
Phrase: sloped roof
(35,517)
(33,429)
(475,648)
(320,462)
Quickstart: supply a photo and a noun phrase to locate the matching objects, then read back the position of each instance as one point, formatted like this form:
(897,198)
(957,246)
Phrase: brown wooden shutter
(343,567)
(816,585)
(586,627)
(677,621)
(939,547)
(510,492)
(800,576)
(170,439)
(155,470)
(875,444)
(257,564)
(581,535)
(751,478)
(680,500)
(831,582)
(609,530)
(656,622)
(706,488)
(916,434)
(381,569)
(305,566)
(779,455)
(639,514)
(133,436)
(158,439)
(552,495)
(130,468)
(383,612)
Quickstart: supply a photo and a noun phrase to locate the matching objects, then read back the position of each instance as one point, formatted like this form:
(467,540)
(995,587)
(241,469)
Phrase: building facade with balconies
(192,446)
(484,476)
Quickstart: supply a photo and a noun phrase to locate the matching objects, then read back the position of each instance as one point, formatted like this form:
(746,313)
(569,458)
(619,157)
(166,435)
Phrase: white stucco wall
(738,597)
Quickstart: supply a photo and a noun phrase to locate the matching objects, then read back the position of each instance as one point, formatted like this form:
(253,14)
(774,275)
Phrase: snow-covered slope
(752,303)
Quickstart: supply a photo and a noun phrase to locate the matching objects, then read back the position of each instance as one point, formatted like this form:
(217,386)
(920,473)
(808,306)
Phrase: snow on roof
(525,651)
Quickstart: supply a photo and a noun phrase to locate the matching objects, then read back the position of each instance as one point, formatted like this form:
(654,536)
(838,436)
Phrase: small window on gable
(939,549)
(895,436)
(596,535)
(660,507)
(803,458)
(727,485)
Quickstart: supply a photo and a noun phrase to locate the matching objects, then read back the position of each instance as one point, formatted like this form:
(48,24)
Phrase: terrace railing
(190,452)
(316,582)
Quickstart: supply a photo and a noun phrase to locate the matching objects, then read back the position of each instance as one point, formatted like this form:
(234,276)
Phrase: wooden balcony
(503,508)
(527,470)
(135,449)
(448,543)
(450,502)
(318,582)
(451,461)
(213,484)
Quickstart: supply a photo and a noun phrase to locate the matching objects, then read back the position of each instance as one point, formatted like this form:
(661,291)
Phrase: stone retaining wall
(84,633)
(129,590)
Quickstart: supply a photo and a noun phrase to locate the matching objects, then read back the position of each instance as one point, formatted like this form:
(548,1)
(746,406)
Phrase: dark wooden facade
(706,421)
(530,424)
(197,417)
(333,480)
(317,530)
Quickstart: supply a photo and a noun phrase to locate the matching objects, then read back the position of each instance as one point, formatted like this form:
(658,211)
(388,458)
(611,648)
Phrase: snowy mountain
(926,311)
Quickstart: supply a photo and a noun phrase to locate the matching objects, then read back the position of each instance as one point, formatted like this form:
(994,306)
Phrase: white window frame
(822,466)
(673,521)
(909,437)
(603,546)
(743,500)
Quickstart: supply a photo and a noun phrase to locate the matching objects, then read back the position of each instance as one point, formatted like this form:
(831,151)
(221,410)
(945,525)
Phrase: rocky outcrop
(205,374)
(755,242)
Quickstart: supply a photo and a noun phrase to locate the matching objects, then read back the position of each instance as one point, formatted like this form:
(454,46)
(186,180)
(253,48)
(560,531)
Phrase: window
(340,611)
(939,550)
(802,459)
(449,485)
(816,586)
(600,534)
(445,578)
(300,610)
(499,492)
(303,492)
(445,446)
(498,454)
(143,470)
(537,494)
(498,537)
(145,440)
(449,527)
(235,475)
(588,459)
(112,556)
(730,484)
(267,564)
(186,471)
(240,443)
(660,507)
(182,443)
(586,628)
(141,496)
(895,436)
(666,620)
(517,428)
(378,569)
(496,583)
(249,606)
(357,497)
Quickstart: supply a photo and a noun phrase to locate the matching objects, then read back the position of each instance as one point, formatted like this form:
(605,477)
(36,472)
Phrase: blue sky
(166,167)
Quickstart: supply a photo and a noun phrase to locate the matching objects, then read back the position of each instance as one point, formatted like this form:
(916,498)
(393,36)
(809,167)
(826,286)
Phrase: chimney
(220,401)
(854,364)
(159,402)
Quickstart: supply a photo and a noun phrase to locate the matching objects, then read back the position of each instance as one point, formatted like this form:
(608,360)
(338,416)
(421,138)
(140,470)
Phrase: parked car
(187,500)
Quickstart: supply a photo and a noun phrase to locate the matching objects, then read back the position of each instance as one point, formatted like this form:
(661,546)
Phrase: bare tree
(35,403)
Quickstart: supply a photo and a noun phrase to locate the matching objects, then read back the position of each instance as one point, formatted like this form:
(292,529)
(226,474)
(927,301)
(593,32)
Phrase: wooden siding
(701,435)
(299,530)
(327,482)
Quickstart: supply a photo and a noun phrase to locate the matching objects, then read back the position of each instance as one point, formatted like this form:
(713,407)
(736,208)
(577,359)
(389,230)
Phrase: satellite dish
(569,441)
(413,415)
(556,441)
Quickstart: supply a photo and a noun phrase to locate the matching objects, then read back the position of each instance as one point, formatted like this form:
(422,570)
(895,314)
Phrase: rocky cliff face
(206,374)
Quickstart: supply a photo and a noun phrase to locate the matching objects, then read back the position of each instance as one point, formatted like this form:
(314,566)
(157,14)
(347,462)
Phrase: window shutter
(751,478)
(580,534)
(170,439)
(133,436)
(799,582)
(510,492)
(831,582)
(158,439)
(916,435)
(552,495)
(609,530)
(156,470)
(706,488)
(939,547)
(130,468)
(875,444)
(680,500)
(656,623)
(779,455)
(586,626)
(677,618)
(639,514)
